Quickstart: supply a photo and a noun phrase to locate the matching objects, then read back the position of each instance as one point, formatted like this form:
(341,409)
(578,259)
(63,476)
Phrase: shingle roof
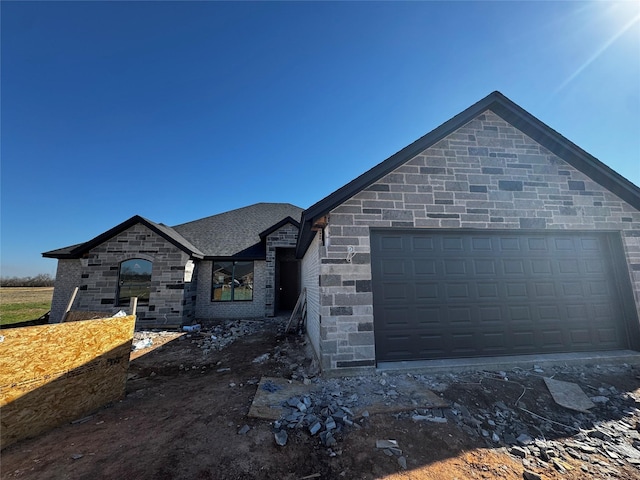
(507,110)
(237,233)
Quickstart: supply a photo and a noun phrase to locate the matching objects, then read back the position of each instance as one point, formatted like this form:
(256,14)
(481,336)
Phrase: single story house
(237,264)
(491,235)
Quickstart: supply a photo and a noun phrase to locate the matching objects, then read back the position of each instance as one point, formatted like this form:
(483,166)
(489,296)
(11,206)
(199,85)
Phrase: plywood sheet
(51,374)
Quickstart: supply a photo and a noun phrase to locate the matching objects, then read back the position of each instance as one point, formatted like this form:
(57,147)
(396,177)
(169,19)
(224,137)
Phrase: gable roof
(76,251)
(237,233)
(508,111)
(278,225)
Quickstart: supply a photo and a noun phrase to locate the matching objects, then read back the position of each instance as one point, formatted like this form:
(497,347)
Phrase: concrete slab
(271,393)
(569,395)
(459,365)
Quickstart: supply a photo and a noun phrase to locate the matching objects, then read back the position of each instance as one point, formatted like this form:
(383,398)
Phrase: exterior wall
(206,309)
(190,295)
(285,237)
(99,277)
(486,175)
(310,276)
(67,279)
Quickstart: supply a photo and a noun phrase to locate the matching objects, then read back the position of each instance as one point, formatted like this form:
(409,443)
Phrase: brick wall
(310,274)
(98,278)
(67,279)
(284,237)
(206,309)
(486,175)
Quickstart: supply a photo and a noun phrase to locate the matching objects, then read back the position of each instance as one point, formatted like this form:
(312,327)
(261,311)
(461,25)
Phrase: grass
(20,304)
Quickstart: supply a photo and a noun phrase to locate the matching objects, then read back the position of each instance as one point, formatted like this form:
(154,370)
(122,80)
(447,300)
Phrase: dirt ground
(186,403)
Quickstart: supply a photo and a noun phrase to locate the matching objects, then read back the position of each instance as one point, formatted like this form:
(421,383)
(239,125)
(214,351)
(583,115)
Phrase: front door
(288,285)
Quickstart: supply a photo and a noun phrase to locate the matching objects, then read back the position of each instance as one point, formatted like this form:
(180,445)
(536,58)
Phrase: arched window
(134,281)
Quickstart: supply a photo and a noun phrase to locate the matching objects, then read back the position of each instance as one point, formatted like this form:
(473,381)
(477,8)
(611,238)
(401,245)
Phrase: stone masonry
(97,279)
(485,175)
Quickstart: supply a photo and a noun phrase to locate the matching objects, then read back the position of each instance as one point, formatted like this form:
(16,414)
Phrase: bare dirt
(188,397)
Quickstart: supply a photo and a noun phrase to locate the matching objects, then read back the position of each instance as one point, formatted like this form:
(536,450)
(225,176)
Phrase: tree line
(41,280)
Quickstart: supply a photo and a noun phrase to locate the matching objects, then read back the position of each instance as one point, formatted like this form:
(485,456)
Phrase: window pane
(232,281)
(243,281)
(134,281)
(222,281)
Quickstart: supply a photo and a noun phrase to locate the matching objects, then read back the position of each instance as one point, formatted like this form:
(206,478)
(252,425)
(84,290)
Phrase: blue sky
(180,110)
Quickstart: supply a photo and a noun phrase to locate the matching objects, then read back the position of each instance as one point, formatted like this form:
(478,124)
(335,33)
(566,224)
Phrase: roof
(508,111)
(76,251)
(278,225)
(237,233)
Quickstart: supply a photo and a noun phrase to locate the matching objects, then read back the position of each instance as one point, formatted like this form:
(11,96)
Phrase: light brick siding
(284,237)
(485,175)
(67,279)
(206,309)
(310,275)
(98,279)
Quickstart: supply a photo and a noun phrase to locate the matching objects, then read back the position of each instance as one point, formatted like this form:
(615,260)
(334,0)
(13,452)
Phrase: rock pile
(217,337)
(325,415)
(611,430)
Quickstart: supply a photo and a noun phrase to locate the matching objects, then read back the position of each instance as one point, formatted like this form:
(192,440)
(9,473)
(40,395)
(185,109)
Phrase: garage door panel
(541,267)
(394,266)
(459,315)
(455,267)
(396,291)
(426,267)
(484,267)
(493,293)
(516,291)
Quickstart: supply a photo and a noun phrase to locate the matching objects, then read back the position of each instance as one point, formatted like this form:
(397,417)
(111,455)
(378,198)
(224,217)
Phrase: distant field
(19,304)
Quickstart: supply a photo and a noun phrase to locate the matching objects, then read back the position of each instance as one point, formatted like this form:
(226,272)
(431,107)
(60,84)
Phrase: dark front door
(288,282)
(447,294)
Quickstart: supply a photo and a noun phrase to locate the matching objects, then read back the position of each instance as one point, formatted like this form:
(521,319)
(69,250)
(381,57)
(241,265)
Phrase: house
(236,264)
(492,235)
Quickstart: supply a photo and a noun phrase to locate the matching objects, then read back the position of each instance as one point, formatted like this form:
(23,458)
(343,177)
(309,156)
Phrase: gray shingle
(237,232)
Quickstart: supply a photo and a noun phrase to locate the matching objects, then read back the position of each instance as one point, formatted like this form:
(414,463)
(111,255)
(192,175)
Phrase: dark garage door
(463,294)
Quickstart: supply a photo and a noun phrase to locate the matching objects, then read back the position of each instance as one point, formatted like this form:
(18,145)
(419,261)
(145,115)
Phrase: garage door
(463,294)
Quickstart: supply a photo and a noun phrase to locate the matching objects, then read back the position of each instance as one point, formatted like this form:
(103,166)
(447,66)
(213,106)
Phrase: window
(232,282)
(134,281)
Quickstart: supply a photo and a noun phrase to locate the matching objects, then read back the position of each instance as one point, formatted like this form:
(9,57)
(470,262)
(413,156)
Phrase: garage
(462,293)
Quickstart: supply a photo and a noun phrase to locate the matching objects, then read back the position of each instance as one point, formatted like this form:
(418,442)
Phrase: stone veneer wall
(486,175)
(284,237)
(206,309)
(190,297)
(99,277)
(310,275)
(67,279)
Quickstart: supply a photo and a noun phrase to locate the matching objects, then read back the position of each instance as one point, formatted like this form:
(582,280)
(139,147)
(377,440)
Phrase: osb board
(52,374)
(267,404)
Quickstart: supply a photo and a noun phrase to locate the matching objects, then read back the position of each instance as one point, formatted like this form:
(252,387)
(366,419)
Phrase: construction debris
(568,395)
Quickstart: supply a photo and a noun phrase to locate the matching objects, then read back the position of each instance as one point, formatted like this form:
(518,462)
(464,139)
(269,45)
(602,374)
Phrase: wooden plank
(53,374)
(70,304)
(301,297)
